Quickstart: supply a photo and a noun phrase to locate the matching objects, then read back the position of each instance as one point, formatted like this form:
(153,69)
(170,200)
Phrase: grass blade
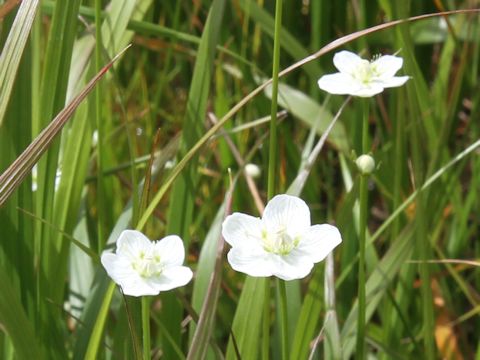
(21,167)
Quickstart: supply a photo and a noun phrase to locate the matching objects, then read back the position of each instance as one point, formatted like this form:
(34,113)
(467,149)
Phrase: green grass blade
(16,323)
(12,177)
(13,49)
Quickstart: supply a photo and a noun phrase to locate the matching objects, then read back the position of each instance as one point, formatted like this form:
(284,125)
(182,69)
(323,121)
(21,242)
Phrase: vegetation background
(143,151)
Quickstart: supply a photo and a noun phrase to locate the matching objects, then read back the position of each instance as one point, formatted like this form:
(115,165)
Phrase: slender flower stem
(266,322)
(146,327)
(362,234)
(272,162)
(284,317)
(365,137)
(273,123)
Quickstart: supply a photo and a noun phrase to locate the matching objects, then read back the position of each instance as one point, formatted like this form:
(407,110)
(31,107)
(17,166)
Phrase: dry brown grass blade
(13,176)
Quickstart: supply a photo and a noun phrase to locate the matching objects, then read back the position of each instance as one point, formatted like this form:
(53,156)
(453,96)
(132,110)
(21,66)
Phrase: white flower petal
(115,267)
(171,278)
(347,62)
(395,81)
(171,250)
(130,242)
(286,212)
(242,230)
(338,84)
(319,241)
(138,288)
(251,262)
(369,90)
(292,266)
(387,66)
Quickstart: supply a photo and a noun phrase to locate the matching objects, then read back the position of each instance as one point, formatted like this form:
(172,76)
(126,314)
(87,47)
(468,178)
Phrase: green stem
(273,123)
(361,269)
(272,162)
(98,114)
(266,322)
(362,241)
(365,136)
(284,317)
(146,327)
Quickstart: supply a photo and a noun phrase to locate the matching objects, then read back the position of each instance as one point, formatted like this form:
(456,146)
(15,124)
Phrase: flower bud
(365,164)
(253,170)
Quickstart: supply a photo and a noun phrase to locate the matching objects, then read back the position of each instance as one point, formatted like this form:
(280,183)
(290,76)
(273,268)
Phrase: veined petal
(170,249)
(253,262)
(171,278)
(292,266)
(347,62)
(338,84)
(395,81)
(131,242)
(286,212)
(387,66)
(318,242)
(242,230)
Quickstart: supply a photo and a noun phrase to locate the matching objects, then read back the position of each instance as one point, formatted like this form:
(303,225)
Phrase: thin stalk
(266,322)
(365,137)
(98,114)
(282,292)
(273,122)
(361,270)
(362,240)
(271,163)
(146,327)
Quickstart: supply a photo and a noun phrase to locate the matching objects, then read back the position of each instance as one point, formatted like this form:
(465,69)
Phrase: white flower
(282,243)
(142,267)
(360,77)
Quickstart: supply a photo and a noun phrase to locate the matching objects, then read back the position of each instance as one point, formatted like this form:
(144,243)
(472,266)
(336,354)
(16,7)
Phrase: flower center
(279,242)
(147,265)
(365,72)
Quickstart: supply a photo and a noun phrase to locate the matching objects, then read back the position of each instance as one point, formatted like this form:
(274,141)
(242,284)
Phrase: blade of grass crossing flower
(13,49)
(180,209)
(205,326)
(97,331)
(100,293)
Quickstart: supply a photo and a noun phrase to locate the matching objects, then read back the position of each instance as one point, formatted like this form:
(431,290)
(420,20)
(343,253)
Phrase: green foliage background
(191,65)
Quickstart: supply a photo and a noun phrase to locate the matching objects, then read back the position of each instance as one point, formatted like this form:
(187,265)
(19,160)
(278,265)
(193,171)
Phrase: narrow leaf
(14,175)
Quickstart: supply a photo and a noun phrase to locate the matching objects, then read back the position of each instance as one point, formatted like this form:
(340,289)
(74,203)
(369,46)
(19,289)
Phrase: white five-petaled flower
(360,77)
(282,243)
(143,267)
